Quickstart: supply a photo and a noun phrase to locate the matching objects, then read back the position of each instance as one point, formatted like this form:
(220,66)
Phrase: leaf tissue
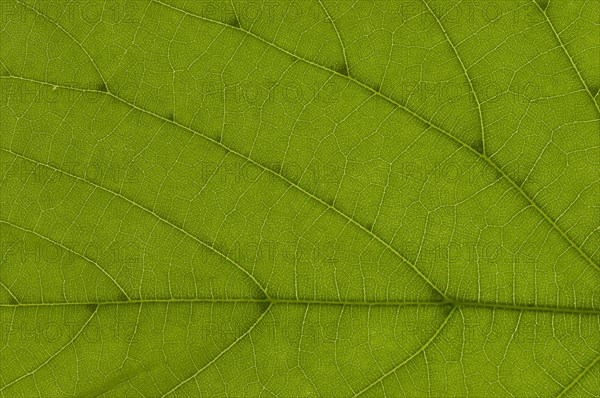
(300,198)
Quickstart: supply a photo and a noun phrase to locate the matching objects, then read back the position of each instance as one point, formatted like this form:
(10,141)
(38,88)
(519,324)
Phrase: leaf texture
(307,198)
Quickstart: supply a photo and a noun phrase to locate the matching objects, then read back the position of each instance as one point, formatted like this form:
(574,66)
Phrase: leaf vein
(216,358)
(66,248)
(466,73)
(146,210)
(55,354)
(410,358)
(263,167)
(413,113)
(562,45)
(301,301)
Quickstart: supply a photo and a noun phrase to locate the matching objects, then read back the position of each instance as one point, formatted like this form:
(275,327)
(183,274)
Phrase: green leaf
(313,198)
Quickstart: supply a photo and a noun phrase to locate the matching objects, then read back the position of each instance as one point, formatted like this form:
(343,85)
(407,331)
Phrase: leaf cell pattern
(307,198)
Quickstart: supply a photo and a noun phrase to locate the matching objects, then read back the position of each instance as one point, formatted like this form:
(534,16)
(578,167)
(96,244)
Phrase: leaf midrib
(323,302)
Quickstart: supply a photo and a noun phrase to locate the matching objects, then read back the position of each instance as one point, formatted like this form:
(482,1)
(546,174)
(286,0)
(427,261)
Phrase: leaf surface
(310,198)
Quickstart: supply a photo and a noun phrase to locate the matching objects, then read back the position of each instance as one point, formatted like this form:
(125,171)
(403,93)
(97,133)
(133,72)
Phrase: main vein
(325,302)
